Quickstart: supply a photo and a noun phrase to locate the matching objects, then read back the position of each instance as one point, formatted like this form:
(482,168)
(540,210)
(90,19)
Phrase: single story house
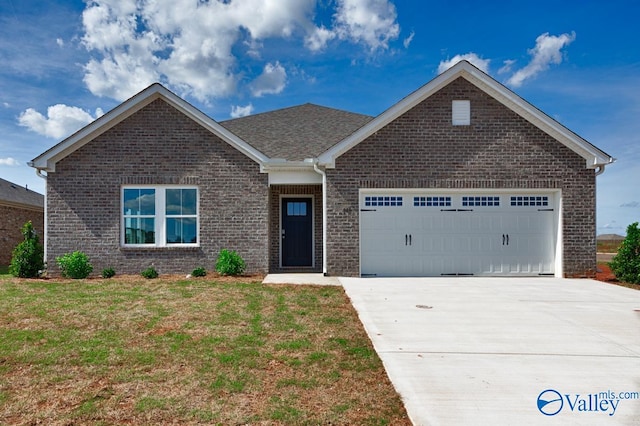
(18,205)
(461,177)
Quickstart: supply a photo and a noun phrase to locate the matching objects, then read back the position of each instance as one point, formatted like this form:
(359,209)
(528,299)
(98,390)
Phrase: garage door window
(381,201)
(481,201)
(525,201)
(431,201)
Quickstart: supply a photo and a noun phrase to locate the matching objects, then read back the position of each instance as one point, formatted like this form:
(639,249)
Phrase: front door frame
(313,234)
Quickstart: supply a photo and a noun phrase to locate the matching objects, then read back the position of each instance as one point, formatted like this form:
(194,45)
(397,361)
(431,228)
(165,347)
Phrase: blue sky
(64,63)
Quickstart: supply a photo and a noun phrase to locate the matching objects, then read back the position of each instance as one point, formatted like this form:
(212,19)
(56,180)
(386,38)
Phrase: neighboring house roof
(18,196)
(296,133)
(609,237)
(47,160)
(594,157)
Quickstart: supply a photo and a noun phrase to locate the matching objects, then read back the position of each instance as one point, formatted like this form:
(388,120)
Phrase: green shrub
(230,263)
(199,272)
(27,260)
(108,273)
(150,273)
(74,265)
(626,264)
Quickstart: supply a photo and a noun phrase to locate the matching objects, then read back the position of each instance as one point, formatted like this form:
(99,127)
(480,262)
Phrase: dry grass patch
(173,351)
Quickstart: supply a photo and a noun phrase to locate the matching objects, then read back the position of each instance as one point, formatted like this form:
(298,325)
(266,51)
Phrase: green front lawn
(170,351)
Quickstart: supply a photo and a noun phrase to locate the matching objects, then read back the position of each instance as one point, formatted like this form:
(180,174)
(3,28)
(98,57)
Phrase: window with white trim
(159,216)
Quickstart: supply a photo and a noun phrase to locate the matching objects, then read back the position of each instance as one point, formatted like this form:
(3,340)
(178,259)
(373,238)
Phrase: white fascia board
(592,155)
(47,160)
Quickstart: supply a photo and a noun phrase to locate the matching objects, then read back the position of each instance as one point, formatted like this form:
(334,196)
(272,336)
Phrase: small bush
(626,264)
(27,260)
(74,265)
(108,273)
(149,273)
(230,263)
(199,272)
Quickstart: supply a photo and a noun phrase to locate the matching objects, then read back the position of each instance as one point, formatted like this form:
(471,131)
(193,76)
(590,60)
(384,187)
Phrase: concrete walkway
(313,279)
(484,350)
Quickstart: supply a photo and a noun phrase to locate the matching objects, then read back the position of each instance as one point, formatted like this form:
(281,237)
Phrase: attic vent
(461,113)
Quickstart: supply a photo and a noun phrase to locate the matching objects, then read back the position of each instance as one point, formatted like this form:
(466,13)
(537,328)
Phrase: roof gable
(593,156)
(47,160)
(296,133)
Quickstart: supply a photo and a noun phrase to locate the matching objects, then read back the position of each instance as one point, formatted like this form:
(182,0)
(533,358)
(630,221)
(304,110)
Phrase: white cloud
(407,41)
(482,64)
(238,111)
(191,45)
(61,120)
(371,22)
(632,204)
(546,52)
(60,42)
(272,80)
(319,38)
(506,67)
(9,161)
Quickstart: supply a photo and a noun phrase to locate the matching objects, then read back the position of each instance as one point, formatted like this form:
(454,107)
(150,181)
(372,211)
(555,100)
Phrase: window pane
(139,202)
(130,204)
(174,201)
(139,231)
(181,202)
(189,203)
(181,231)
(147,201)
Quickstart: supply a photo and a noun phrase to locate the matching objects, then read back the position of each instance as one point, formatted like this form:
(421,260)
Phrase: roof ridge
(294,107)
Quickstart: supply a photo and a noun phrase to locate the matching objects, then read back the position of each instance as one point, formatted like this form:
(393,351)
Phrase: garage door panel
(488,235)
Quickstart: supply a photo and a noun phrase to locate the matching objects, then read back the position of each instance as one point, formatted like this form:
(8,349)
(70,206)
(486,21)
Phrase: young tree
(626,264)
(27,259)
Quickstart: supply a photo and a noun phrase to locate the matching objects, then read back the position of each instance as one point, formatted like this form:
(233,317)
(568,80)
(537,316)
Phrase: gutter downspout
(600,170)
(46,225)
(324,216)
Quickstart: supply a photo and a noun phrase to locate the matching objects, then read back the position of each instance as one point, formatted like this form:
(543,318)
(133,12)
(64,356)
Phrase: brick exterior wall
(421,149)
(157,145)
(276,191)
(11,221)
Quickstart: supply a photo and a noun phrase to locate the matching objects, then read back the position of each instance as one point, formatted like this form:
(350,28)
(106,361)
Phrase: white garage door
(423,234)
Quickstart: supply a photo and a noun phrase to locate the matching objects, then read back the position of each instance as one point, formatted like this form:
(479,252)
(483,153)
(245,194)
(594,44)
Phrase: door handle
(406,239)
(507,239)
(503,239)
(409,239)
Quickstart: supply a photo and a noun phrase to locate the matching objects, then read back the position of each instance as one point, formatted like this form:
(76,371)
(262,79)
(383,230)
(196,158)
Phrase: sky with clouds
(66,62)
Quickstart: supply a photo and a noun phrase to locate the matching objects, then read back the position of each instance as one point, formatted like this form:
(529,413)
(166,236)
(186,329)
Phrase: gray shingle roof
(16,194)
(298,132)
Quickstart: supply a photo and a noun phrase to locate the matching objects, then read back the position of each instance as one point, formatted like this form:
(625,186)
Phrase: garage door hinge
(368,210)
(456,210)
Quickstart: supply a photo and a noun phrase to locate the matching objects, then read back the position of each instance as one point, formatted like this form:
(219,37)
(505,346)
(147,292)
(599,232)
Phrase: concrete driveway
(493,350)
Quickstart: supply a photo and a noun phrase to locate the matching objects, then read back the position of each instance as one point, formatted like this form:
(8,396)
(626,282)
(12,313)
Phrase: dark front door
(297,232)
